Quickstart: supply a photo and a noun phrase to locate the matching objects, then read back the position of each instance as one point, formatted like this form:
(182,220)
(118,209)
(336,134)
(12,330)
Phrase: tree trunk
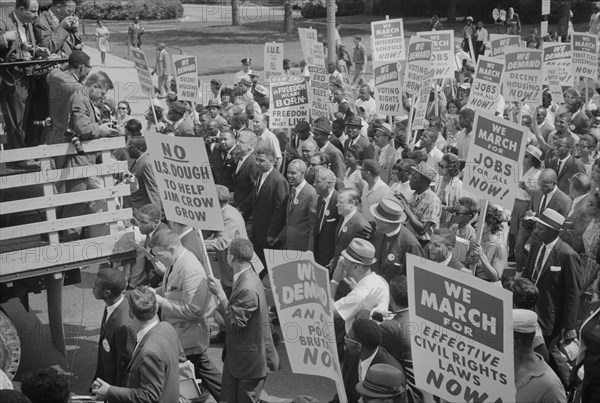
(288,17)
(451,11)
(235,15)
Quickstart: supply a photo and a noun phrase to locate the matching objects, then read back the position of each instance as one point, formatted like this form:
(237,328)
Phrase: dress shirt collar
(394,232)
(300,186)
(328,198)
(578,199)
(237,275)
(550,245)
(146,329)
(549,195)
(365,364)
(322,149)
(111,308)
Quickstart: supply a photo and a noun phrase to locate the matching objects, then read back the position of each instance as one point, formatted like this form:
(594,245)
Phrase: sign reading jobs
(186,75)
(141,65)
(464,340)
(388,40)
(289,104)
(495,156)
(185,181)
(485,91)
(442,52)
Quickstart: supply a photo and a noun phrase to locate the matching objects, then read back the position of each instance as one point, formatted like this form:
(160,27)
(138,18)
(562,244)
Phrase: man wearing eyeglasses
(58,28)
(563,162)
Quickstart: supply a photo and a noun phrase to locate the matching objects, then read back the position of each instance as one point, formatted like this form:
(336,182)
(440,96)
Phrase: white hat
(534,152)
(551,218)
(524,320)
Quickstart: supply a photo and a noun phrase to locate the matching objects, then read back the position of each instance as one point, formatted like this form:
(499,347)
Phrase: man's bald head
(547,181)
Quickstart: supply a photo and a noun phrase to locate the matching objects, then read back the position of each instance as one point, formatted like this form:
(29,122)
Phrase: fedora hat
(322,125)
(426,171)
(382,381)
(246,81)
(534,152)
(354,121)
(388,210)
(385,129)
(213,103)
(360,251)
(551,218)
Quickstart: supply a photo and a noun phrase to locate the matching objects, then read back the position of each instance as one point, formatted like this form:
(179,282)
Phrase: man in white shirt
(434,154)
(375,190)
(481,37)
(366,102)
(266,138)
(245,71)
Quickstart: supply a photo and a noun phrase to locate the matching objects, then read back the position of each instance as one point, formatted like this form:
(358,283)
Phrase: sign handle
(409,126)
(483,205)
(208,268)
(153,112)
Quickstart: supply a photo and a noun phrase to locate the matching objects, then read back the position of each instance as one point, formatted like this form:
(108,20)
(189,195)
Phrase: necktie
(538,264)
(558,167)
(104,316)
(292,197)
(543,203)
(321,214)
(169,271)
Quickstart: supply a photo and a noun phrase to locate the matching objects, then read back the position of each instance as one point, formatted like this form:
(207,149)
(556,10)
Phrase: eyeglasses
(559,145)
(441,166)
(122,108)
(582,146)
(315,164)
(349,340)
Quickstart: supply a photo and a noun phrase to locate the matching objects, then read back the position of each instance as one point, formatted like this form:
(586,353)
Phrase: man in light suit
(186,303)
(353,128)
(249,352)
(58,28)
(163,70)
(269,204)
(117,331)
(153,372)
(245,174)
(142,169)
(548,196)
(386,153)
(563,162)
(301,214)
(554,267)
(321,133)
(577,219)
(328,217)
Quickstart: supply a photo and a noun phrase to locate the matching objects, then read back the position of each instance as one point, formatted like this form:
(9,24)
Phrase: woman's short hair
(127,105)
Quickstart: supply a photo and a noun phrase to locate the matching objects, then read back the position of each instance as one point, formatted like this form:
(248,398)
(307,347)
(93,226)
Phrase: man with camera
(58,28)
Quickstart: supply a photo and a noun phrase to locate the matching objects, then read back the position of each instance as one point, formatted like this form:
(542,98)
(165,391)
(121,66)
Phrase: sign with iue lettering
(186,76)
(304,306)
(522,79)
(462,334)
(442,53)
(312,49)
(419,61)
(388,40)
(585,55)
(289,104)
(273,58)
(485,91)
(559,56)
(499,42)
(319,92)
(143,71)
(185,181)
(493,164)
(388,88)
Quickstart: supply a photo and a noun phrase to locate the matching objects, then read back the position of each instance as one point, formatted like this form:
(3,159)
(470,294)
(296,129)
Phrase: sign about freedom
(141,65)
(585,55)
(186,75)
(499,42)
(388,40)
(303,302)
(419,60)
(558,55)
(185,181)
(289,104)
(273,58)
(485,91)
(522,78)
(495,156)
(464,341)
(442,52)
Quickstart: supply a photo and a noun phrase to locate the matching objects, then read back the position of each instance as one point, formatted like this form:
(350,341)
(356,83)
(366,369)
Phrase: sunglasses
(122,108)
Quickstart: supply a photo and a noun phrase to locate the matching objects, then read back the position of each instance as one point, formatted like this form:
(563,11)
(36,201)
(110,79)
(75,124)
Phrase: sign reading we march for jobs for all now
(442,53)
(143,71)
(485,91)
(186,75)
(185,181)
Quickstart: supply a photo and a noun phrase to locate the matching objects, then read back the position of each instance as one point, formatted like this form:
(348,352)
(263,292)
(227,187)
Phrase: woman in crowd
(591,244)
(226,102)
(452,127)
(102,35)
(449,186)
(587,151)
(123,116)
(463,214)
(353,157)
(513,23)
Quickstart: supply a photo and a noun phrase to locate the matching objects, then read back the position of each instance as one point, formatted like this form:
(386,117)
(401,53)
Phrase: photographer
(58,28)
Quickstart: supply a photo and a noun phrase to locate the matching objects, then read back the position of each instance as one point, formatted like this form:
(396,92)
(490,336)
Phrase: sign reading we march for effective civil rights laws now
(585,55)
(388,40)
(462,334)
(442,53)
(493,165)
(185,181)
(144,77)
(522,79)
(485,91)
(186,76)
(289,104)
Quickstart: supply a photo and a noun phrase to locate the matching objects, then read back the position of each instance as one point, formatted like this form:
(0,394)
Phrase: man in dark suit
(353,127)
(222,161)
(269,203)
(554,267)
(153,372)
(58,28)
(249,352)
(548,196)
(117,331)
(142,169)
(577,219)
(563,162)
(245,174)
(328,217)
(321,132)
(301,214)
(134,34)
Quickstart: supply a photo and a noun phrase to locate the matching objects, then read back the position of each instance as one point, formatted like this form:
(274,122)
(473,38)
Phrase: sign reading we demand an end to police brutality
(388,40)
(289,104)
(185,181)
(462,334)
(143,71)
(186,76)
(493,164)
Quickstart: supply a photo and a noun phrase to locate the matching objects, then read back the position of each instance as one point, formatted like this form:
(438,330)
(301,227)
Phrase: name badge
(106,346)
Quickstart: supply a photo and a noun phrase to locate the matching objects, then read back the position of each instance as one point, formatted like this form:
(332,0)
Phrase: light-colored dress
(102,37)
(591,242)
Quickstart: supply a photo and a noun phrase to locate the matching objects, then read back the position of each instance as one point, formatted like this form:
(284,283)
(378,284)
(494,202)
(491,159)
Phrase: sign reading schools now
(442,52)
(289,104)
(559,55)
(499,42)
(585,55)
(185,181)
(419,60)
(485,91)
(303,302)
(388,40)
(494,160)
(463,337)
(522,79)
(273,59)
(141,65)
(186,75)
(388,88)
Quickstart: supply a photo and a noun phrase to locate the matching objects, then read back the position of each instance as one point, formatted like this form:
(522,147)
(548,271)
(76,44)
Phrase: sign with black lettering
(485,91)
(141,66)
(419,61)
(559,56)
(186,75)
(388,40)
(442,53)
(289,104)
(585,55)
(388,88)
(522,79)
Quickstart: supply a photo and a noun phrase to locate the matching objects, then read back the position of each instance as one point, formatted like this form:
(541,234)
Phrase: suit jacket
(391,252)
(163,64)
(14,48)
(268,209)
(53,36)
(327,222)
(187,302)
(153,372)
(223,167)
(148,189)
(244,183)
(85,122)
(389,159)
(249,349)
(356,227)
(185,129)
(570,168)
(117,342)
(575,225)
(336,161)
(301,220)
(559,202)
(559,287)
(364,144)
(134,35)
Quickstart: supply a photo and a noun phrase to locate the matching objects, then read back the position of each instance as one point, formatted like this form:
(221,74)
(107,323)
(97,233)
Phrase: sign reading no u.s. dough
(463,335)
(185,181)
(388,40)
(186,75)
(141,65)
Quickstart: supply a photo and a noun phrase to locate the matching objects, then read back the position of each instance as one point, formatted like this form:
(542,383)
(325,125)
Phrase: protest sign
(522,78)
(388,88)
(554,84)
(442,53)
(387,37)
(304,306)
(143,71)
(421,108)
(544,28)
(287,78)
(419,60)
(494,160)
(545,7)
(499,42)
(485,91)
(585,55)
(185,181)
(273,59)
(559,55)
(289,104)
(462,334)
(319,92)
(312,49)
(186,76)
